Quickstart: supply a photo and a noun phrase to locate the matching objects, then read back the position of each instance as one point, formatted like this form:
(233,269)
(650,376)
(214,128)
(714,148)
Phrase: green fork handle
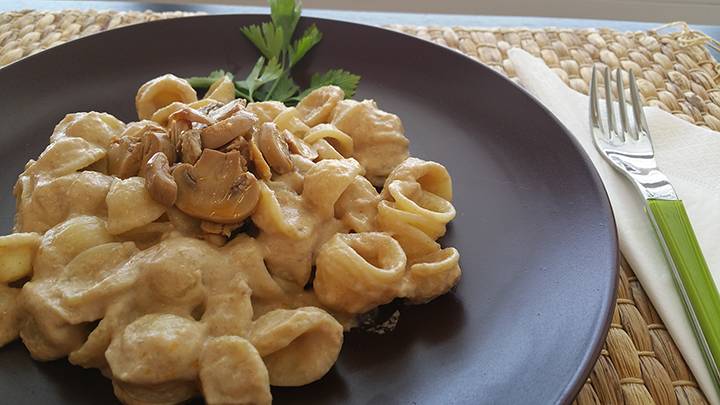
(692,276)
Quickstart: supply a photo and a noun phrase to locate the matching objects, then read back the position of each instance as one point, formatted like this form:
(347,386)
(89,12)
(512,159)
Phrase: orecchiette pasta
(378,139)
(96,128)
(325,183)
(216,248)
(160,92)
(53,200)
(298,346)
(330,133)
(232,372)
(357,272)
(130,206)
(223,90)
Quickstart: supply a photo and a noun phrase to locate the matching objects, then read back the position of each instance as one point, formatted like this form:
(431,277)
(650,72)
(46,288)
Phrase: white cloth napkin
(689,156)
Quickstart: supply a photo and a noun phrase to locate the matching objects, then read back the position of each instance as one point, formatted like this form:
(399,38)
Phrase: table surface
(374,18)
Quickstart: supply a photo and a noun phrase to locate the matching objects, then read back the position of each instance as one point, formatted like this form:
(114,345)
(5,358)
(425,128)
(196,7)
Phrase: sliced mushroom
(158,180)
(184,119)
(227,110)
(241,145)
(153,143)
(190,146)
(127,153)
(274,148)
(216,188)
(220,133)
(299,147)
(259,164)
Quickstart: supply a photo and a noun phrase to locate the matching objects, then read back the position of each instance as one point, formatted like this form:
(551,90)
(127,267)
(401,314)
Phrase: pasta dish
(217,247)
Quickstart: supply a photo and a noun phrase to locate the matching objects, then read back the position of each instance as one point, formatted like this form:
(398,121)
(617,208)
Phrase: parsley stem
(201,82)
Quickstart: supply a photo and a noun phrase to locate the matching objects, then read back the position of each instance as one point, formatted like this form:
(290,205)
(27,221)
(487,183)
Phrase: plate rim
(568,393)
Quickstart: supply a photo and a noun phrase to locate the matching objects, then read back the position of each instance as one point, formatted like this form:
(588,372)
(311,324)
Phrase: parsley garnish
(270,78)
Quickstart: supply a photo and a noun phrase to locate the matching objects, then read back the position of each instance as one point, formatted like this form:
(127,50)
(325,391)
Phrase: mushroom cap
(158,180)
(220,133)
(298,146)
(190,145)
(128,152)
(274,148)
(216,188)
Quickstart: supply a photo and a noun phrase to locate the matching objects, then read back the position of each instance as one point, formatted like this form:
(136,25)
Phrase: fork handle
(692,276)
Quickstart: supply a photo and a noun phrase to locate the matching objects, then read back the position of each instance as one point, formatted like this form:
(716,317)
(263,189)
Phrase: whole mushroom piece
(128,153)
(216,188)
(159,181)
(218,134)
(274,148)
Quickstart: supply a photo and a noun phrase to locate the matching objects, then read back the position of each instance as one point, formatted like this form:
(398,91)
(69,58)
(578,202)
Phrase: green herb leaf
(204,82)
(347,81)
(270,78)
(260,74)
(285,14)
(267,37)
(301,46)
(285,88)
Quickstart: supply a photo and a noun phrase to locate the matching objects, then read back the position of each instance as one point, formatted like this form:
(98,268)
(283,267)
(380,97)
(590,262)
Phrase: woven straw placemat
(639,363)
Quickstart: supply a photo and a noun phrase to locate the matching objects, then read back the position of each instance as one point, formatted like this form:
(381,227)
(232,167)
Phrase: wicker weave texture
(679,79)
(639,363)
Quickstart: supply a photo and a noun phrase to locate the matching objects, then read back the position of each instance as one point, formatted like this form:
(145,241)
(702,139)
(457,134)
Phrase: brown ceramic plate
(534,227)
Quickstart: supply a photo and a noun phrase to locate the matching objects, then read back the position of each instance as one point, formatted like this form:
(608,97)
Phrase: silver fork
(628,148)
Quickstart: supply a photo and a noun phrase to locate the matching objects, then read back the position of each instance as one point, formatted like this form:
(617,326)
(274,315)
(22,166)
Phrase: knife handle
(692,276)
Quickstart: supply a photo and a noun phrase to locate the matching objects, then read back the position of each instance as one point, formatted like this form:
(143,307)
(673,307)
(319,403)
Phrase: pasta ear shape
(431,228)
(432,275)
(130,205)
(63,242)
(317,106)
(357,206)
(65,156)
(298,346)
(414,241)
(340,141)
(90,282)
(432,177)
(266,111)
(420,208)
(229,313)
(246,258)
(326,181)
(156,349)
(222,90)
(53,200)
(289,119)
(280,211)
(357,272)
(378,137)
(94,127)
(161,91)
(232,372)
